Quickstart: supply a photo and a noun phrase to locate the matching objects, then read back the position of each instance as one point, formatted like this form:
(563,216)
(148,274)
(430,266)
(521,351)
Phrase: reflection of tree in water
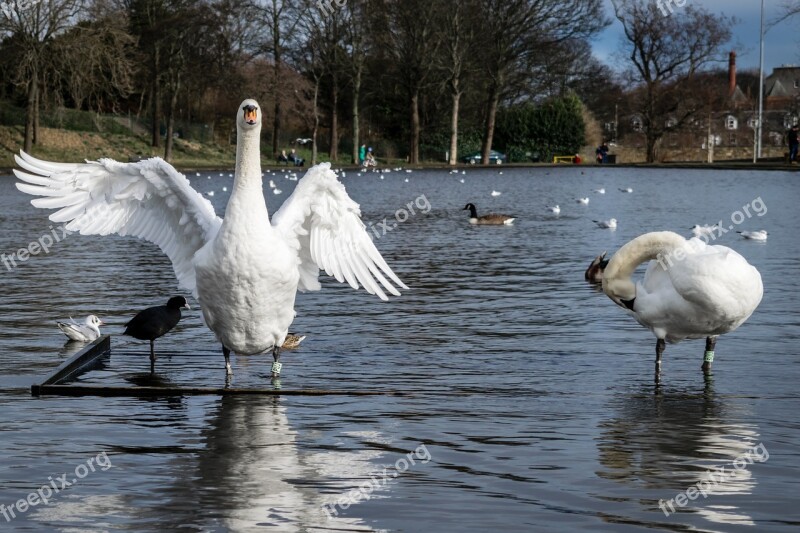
(669,440)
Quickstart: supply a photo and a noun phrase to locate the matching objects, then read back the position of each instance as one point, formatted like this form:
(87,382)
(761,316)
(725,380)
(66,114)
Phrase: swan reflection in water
(252,470)
(243,472)
(671,441)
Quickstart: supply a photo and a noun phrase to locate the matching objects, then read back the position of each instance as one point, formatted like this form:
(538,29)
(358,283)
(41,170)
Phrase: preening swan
(244,270)
(690,290)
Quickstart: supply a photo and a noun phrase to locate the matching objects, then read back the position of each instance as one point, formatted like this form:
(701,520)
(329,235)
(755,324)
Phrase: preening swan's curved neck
(617,275)
(248,160)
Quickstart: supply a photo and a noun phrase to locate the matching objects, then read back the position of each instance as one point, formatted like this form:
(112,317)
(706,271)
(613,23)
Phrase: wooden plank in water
(95,390)
(77,364)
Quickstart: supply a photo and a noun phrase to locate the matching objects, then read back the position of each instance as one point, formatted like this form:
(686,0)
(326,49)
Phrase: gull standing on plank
(86,332)
(245,272)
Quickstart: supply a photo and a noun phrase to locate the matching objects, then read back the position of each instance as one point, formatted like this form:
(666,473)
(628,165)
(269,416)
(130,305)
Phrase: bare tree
(458,40)
(33,26)
(356,50)
(92,62)
(664,54)
(515,32)
(413,42)
(280,20)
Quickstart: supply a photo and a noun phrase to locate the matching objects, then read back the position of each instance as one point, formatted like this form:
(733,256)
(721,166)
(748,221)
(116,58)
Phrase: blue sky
(781,44)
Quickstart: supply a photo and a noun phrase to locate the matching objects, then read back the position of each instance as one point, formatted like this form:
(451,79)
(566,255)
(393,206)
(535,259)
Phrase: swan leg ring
(276,368)
(709,357)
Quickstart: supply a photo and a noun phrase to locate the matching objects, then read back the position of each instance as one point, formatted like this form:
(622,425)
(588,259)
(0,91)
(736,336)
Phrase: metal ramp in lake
(97,370)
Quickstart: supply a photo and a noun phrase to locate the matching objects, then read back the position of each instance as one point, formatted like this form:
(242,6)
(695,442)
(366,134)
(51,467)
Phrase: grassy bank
(67,146)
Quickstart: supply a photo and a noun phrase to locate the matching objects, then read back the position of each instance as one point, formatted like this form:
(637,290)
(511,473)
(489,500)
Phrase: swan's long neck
(247,197)
(617,283)
(248,162)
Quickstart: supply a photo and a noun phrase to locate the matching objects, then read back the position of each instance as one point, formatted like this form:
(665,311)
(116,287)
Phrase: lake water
(530,400)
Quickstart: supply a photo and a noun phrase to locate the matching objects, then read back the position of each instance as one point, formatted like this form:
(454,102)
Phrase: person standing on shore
(792,139)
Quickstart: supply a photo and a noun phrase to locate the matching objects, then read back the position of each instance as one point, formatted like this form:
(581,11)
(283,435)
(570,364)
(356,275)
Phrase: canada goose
(691,290)
(491,218)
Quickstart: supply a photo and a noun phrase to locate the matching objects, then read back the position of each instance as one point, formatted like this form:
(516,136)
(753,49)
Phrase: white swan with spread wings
(244,270)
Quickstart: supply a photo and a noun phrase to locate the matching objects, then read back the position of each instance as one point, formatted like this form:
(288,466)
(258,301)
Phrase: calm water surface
(531,401)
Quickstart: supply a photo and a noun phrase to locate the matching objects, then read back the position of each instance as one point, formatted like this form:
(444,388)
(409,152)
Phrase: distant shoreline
(692,165)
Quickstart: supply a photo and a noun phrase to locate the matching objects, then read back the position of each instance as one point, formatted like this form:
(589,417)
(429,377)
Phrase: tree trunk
(356,117)
(155,105)
(413,157)
(30,110)
(315,130)
(276,121)
(488,133)
(652,148)
(334,140)
(456,96)
(173,103)
(36,111)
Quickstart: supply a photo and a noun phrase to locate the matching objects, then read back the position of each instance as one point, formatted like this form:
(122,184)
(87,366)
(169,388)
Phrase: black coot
(153,322)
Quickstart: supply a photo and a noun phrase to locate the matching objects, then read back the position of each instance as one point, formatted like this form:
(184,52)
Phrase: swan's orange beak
(250,115)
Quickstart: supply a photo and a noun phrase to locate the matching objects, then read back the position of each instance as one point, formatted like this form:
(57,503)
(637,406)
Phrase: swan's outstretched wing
(149,199)
(324,224)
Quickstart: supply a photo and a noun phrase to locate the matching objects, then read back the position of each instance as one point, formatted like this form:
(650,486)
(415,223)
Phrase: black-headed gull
(556,209)
(582,201)
(760,235)
(86,332)
(703,231)
(245,272)
(606,224)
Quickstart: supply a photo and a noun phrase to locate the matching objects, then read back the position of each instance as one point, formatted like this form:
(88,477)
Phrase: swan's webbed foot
(227,353)
(708,357)
(276,365)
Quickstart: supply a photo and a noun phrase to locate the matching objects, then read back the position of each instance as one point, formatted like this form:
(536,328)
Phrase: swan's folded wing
(148,199)
(324,224)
